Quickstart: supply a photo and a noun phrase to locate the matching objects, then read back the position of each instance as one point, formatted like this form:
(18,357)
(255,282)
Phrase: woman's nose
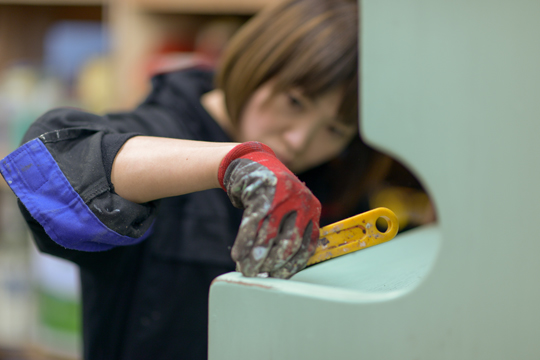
(297,138)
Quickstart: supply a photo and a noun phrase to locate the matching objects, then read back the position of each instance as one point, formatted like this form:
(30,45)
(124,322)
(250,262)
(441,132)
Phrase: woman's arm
(62,175)
(149,168)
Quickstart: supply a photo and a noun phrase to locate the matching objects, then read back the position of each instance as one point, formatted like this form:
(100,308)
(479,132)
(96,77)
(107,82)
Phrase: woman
(134,198)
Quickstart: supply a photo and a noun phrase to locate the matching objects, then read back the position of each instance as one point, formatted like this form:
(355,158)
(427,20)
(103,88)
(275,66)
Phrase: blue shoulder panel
(38,182)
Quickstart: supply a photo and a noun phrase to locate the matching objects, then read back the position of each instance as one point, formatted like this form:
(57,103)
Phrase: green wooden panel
(389,268)
(317,306)
(452,89)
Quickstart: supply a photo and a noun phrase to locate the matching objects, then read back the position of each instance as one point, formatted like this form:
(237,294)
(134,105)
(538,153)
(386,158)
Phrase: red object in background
(173,53)
(204,48)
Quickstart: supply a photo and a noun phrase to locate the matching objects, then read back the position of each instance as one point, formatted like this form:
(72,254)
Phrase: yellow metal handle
(355,233)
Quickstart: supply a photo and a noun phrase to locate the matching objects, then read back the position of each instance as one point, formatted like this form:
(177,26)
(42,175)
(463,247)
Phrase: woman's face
(303,132)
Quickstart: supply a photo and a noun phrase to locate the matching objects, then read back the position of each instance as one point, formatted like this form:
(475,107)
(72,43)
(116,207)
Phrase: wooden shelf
(54,2)
(240,7)
(24,25)
(136,27)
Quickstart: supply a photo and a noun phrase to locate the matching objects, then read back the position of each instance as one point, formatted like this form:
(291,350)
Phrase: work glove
(280,225)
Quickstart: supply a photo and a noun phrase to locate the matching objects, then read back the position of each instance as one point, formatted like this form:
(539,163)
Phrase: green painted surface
(57,313)
(392,267)
(452,89)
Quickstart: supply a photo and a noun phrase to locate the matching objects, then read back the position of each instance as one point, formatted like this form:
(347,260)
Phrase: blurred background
(95,55)
(98,56)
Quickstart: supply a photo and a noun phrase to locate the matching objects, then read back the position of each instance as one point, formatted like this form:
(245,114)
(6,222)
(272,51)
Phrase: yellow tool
(355,233)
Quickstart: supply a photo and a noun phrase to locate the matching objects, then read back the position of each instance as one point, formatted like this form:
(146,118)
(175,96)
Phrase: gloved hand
(280,226)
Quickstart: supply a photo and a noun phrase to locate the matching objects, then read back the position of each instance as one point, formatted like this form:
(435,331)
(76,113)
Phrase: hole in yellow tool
(355,233)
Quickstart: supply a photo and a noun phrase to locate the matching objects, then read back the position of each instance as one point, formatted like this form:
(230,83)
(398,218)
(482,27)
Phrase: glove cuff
(240,151)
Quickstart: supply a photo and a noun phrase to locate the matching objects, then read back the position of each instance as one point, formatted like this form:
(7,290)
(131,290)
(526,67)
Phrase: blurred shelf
(137,27)
(53,2)
(187,7)
(240,7)
(34,352)
(23,25)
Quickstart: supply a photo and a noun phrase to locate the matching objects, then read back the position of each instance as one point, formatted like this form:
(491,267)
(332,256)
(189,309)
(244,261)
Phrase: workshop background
(98,56)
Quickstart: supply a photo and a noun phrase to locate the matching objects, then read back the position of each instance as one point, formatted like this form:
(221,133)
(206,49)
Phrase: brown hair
(310,44)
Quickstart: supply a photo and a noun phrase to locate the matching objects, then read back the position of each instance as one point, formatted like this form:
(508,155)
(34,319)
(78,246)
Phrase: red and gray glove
(280,225)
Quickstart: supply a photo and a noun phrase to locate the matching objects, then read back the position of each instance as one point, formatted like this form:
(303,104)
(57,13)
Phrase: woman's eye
(336,131)
(294,101)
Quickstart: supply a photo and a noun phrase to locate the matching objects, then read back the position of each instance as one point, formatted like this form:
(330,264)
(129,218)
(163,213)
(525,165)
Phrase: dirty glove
(280,226)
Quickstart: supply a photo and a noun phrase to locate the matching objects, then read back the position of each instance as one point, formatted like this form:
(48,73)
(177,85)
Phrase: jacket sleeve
(61,176)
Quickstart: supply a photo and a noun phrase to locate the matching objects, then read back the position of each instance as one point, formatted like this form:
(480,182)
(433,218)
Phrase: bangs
(319,71)
(311,45)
